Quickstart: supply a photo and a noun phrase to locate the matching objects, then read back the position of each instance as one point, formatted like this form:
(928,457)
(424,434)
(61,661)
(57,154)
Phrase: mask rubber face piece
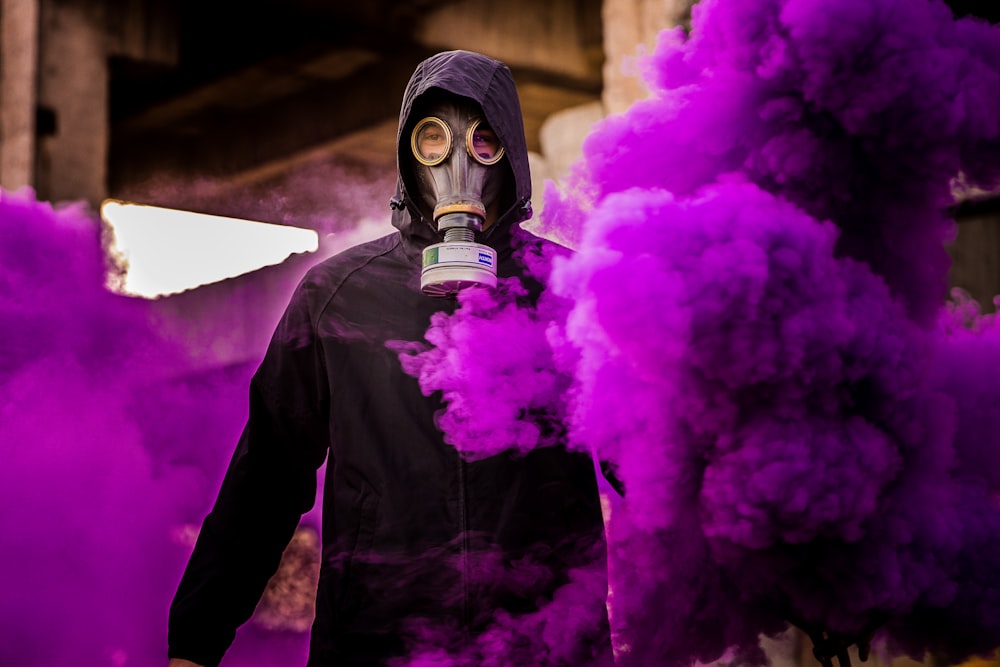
(457,183)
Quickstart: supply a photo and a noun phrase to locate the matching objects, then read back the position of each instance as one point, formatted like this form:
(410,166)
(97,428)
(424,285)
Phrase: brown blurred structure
(118,97)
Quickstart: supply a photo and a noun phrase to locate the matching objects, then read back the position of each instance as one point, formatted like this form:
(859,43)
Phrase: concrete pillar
(630,29)
(18,74)
(73,94)
(976,258)
(562,136)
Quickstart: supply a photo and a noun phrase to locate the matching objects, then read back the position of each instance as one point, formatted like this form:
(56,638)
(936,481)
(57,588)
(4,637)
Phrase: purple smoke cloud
(112,449)
(757,338)
(503,401)
(789,428)
(84,505)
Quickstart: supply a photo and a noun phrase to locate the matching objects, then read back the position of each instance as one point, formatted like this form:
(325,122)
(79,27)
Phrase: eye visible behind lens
(483,143)
(431,141)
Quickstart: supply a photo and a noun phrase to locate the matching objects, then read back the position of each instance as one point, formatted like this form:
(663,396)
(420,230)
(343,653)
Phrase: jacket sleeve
(270,483)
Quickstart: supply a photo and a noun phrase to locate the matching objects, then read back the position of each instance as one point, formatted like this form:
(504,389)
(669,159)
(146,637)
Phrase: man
(417,542)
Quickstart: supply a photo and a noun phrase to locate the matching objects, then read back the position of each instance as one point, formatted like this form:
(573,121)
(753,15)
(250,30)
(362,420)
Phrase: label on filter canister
(459,253)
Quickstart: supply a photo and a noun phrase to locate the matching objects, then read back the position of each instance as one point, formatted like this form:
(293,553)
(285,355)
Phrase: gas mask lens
(483,144)
(431,142)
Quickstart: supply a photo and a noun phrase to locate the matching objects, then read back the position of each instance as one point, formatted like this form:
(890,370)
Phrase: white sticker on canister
(471,253)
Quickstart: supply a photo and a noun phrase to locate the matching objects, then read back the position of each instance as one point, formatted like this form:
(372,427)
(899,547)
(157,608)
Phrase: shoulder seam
(336,288)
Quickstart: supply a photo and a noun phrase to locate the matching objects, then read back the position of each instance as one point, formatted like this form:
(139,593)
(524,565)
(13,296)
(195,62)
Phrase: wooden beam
(219,140)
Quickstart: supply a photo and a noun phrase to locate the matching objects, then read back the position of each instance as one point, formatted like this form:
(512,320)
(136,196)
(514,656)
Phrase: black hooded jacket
(414,538)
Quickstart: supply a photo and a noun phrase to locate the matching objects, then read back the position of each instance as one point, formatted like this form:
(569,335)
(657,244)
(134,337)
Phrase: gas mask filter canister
(455,183)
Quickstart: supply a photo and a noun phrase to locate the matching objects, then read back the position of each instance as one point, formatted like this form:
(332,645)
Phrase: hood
(490,83)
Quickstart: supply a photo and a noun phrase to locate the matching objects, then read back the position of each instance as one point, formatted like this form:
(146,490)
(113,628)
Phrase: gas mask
(456,157)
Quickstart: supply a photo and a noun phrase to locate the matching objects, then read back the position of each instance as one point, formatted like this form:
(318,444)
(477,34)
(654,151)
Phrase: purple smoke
(789,428)
(113,449)
(79,490)
(857,112)
(561,632)
(503,401)
(756,337)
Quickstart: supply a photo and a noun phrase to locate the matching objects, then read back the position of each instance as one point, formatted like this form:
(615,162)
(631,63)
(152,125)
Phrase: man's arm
(270,483)
(177,662)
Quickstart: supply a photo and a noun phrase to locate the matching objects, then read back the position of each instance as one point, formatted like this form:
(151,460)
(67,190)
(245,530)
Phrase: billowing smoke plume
(512,400)
(754,335)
